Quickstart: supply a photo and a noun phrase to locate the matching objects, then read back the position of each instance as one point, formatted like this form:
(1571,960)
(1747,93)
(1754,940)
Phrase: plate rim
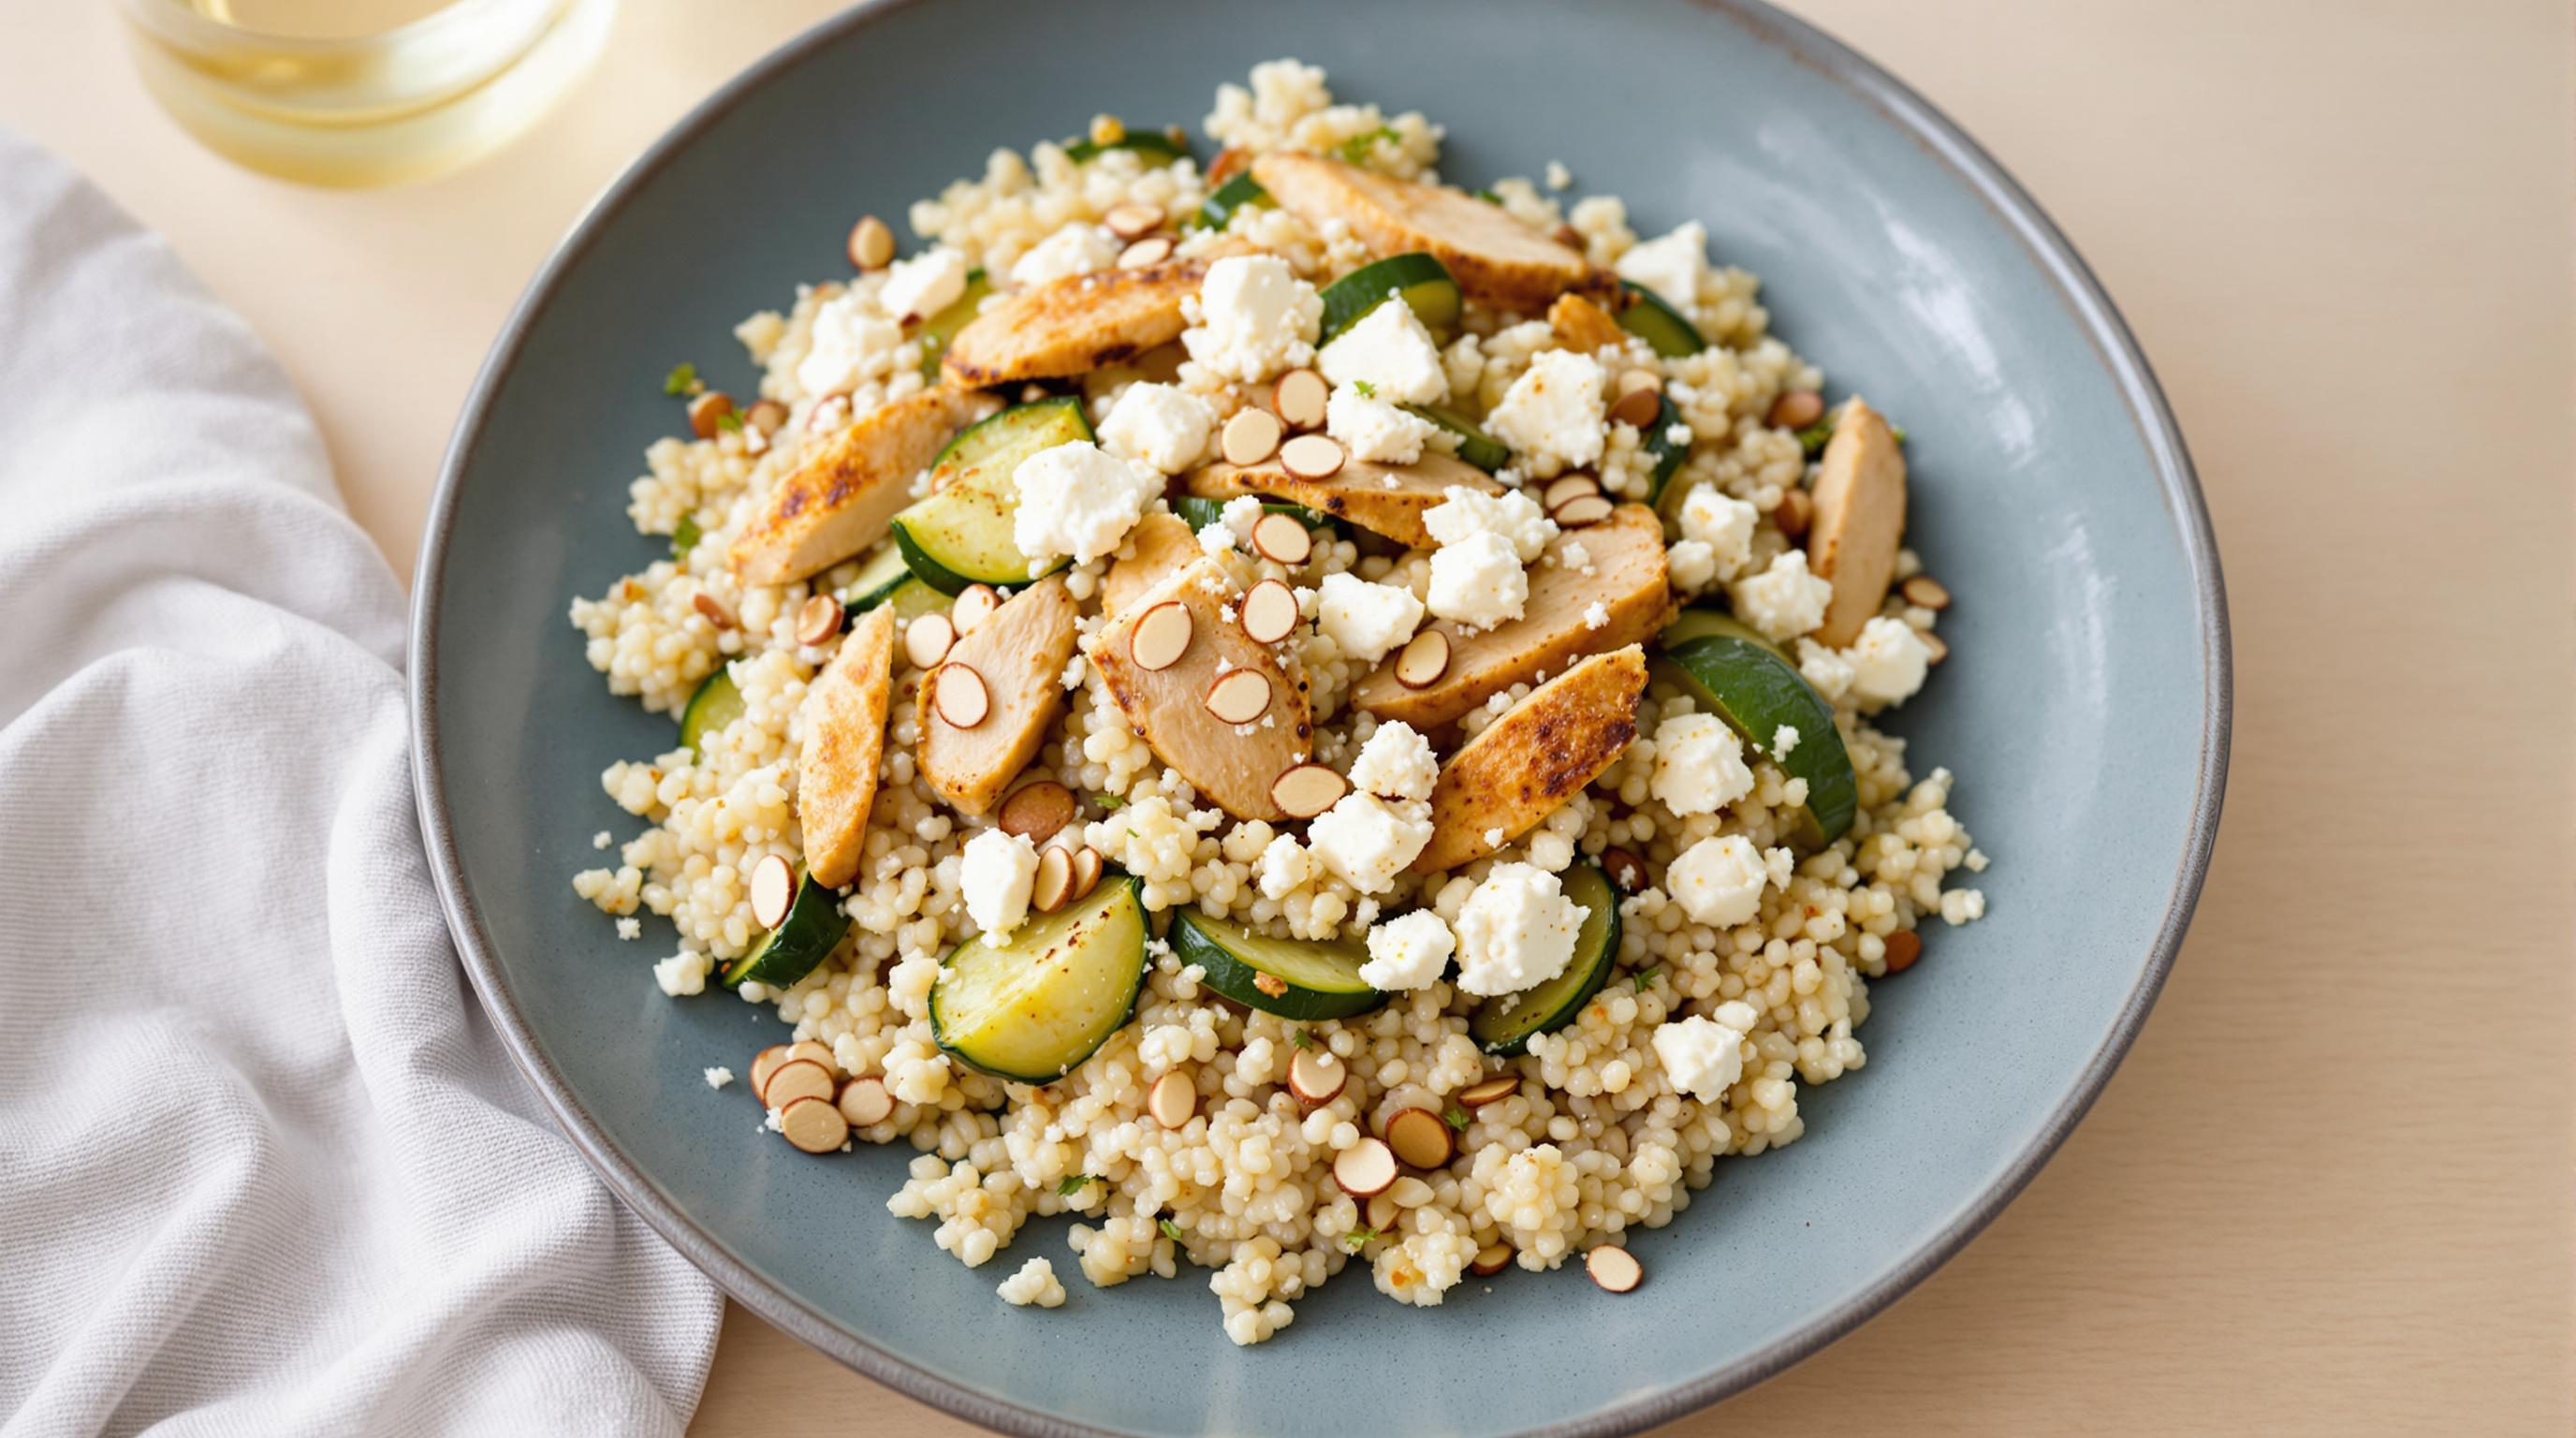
(1803,43)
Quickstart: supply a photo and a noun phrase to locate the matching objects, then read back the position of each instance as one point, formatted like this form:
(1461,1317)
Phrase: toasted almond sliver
(1420,1138)
(1614,1268)
(1173,1100)
(814,1125)
(1903,948)
(1250,437)
(928,639)
(1152,250)
(1572,486)
(817,620)
(1424,658)
(1491,1259)
(1312,456)
(1582,510)
(716,611)
(1940,647)
(871,244)
(1308,790)
(812,1052)
(1382,1212)
(707,413)
(1054,882)
(1797,409)
(1926,591)
(1036,810)
(1087,868)
(1269,608)
(974,605)
(1133,221)
(1161,636)
(795,1079)
(1796,508)
(1638,405)
(1365,1169)
(865,1102)
(1299,397)
(764,1064)
(963,699)
(1493,1090)
(1280,538)
(1239,696)
(1315,1076)
(773,890)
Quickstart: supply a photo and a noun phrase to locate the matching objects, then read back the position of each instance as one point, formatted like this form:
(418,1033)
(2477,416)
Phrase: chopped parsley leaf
(1367,390)
(684,536)
(1301,1038)
(1360,1237)
(681,380)
(1110,803)
(1646,976)
(1455,1117)
(1074,1183)
(1171,1230)
(730,419)
(1356,149)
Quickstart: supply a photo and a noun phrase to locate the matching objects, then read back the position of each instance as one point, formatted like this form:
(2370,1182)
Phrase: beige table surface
(2331,1190)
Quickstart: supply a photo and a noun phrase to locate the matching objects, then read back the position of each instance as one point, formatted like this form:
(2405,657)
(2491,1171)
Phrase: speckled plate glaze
(2085,707)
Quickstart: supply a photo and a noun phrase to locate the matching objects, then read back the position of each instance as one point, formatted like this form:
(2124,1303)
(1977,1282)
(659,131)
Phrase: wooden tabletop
(2331,1190)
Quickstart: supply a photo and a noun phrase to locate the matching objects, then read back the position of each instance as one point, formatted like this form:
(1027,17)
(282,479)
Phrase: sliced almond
(1133,221)
(1172,1100)
(1239,696)
(1797,409)
(1903,948)
(1638,403)
(1036,810)
(1383,1213)
(962,698)
(1794,512)
(707,413)
(1627,872)
(1491,1259)
(1315,1076)
(1614,1268)
(1270,607)
(1411,1192)
(1308,790)
(812,1052)
(1365,1169)
(1312,456)
(1582,510)
(1280,538)
(1054,882)
(1570,487)
(1926,591)
(763,1065)
(1424,659)
(1493,1090)
(1299,398)
(1395,1101)
(1421,1139)
(1251,436)
(974,605)
(766,415)
(795,1079)
(1940,647)
(817,620)
(928,639)
(1087,868)
(773,891)
(871,244)
(865,1102)
(1161,636)
(1146,253)
(715,611)
(814,1125)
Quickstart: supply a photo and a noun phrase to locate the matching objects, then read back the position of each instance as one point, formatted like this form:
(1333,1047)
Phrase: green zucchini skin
(1668,455)
(1153,146)
(1080,970)
(1235,961)
(1217,210)
(1504,1025)
(962,533)
(939,329)
(812,929)
(1750,683)
(1198,511)
(1666,331)
(1474,445)
(878,579)
(1421,281)
(716,703)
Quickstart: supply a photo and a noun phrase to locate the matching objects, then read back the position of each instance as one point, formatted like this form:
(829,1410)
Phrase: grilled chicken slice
(840,499)
(843,720)
(1624,557)
(1859,519)
(1019,652)
(1494,258)
(1534,758)
(1358,492)
(1074,324)
(1231,765)
(1164,544)
(1583,326)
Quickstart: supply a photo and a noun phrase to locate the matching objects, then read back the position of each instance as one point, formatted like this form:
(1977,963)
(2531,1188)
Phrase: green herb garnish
(685,536)
(1489,197)
(730,419)
(1301,1038)
(1360,1237)
(1367,390)
(1074,1183)
(1812,438)
(1357,148)
(1171,1231)
(682,379)
(1646,976)
(1455,1117)
(1110,803)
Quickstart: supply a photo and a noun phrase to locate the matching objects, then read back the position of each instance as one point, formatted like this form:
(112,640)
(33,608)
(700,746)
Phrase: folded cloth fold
(264,1167)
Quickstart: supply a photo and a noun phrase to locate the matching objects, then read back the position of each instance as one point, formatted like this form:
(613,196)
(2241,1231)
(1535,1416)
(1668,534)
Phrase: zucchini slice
(1199,511)
(939,329)
(1422,282)
(716,704)
(961,534)
(1155,147)
(813,927)
(1308,980)
(1505,1024)
(1668,455)
(1217,210)
(1474,445)
(1030,1009)
(1666,331)
(1750,683)
(878,579)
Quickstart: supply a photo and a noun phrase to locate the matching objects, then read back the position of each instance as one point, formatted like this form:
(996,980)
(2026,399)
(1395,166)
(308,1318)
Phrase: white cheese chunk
(1396,762)
(1513,514)
(1783,601)
(1552,414)
(1374,430)
(1284,868)
(848,342)
(682,974)
(1516,931)
(917,288)
(1888,661)
(718,1076)
(1366,841)
(1478,581)
(1692,566)
(1409,951)
(1699,765)
(1390,351)
(1160,425)
(1252,318)
(1365,621)
(995,878)
(1077,499)
(1825,669)
(1719,881)
(1704,1056)
(1722,522)
(1671,265)
(1075,249)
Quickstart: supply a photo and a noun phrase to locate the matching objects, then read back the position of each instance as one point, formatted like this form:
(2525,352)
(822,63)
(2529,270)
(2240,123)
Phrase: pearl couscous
(1570,909)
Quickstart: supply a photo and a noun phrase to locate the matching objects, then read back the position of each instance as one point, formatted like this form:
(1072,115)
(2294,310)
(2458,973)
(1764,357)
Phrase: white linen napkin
(264,1168)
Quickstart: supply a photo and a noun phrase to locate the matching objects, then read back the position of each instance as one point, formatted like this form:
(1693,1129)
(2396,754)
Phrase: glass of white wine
(361,92)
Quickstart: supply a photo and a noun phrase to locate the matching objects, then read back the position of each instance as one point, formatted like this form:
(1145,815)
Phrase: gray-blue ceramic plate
(2084,708)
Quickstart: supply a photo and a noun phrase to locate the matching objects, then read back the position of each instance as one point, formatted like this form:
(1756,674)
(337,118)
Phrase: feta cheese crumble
(996,874)
(1396,763)
(1478,581)
(1704,1056)
(917,288)
(1373,429)
(1783,601)
(1366,841)
(1691,565)
(1252,318)
(1075,249)
(1078,499)
(1824,668)
(1719,881)
(1699,765)
(847,343)
(718,1077)
(1724,523)
(1888,661)
(1284,868)
(1389,350)
(1513,514)
(1516,931)
(1552,413)
(1671,265)
(1160,425)
(1365,621)
(1409,951)
(682,974)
